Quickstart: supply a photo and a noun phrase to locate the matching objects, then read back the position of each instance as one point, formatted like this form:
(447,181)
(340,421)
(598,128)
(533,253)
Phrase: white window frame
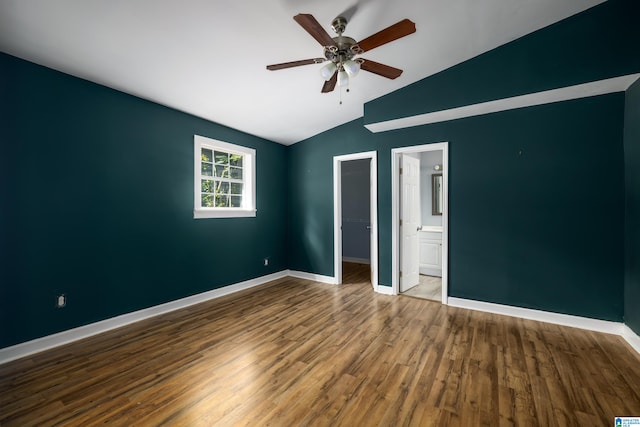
(249,180)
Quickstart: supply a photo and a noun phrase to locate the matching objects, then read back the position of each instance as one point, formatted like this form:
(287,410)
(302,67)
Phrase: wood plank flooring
(299,353)
(429,287)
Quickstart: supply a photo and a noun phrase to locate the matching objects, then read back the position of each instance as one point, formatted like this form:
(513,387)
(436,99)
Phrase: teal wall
(526,231)
(311,194)
(97,203)
(593,45)
(632,211)
(543,227)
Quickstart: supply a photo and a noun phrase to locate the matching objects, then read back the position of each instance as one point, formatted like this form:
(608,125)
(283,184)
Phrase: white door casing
(410,222)
(373,198)
(337,213)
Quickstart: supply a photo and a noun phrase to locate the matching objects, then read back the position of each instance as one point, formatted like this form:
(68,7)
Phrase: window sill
(223,213)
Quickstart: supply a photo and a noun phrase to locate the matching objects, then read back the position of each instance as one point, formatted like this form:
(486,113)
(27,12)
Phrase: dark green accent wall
(536,194)
(311,189)
(632,207)
(529,192)
(97,203)
(589,46)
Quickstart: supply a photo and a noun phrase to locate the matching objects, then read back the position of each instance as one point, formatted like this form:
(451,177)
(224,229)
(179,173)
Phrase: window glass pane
(236,173)
(235,160)
(236,188)
(222,171)
(222,187)
(236,201)
(207,200)
(222,158)
(207,186)
(207,155)
(222,201)
(207,169)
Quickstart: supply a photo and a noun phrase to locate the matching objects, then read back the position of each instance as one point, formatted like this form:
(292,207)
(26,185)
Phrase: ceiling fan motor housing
(346,47)
(342,51)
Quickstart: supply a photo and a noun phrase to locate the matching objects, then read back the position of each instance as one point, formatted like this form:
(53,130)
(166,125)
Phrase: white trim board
(631,338)
(385,290)
(37,345)
(599,87)
(616,328)
(313,277)
(541,316)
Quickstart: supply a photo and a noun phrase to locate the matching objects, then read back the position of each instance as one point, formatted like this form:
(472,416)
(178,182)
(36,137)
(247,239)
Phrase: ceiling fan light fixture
(341,51)
(351,67)
(343,78)
(327,71)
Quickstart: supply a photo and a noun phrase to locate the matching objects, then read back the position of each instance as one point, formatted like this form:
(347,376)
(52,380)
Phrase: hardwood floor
(429,287)
(298,353)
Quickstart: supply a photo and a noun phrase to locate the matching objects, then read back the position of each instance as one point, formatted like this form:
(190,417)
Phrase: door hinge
(400,171)
(400,222)
(401,274)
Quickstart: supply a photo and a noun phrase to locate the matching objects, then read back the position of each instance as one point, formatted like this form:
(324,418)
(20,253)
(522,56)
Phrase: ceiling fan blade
(284,65)
(313,27)
(330,84)
(380,69)
(389,34)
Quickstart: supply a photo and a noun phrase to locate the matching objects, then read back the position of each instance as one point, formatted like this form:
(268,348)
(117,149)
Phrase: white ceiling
(208,57)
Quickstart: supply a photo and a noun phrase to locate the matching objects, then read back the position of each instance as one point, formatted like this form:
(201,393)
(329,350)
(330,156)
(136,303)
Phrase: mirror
(436,194)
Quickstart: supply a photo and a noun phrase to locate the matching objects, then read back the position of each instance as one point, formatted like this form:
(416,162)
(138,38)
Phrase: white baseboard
(542,316)
(616,328)
(355,260)
(431,271)
(314,277)
(385,290)
(631,337)
(17,351)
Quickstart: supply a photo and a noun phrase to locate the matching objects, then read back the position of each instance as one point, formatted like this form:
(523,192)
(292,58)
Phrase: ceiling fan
(340,51)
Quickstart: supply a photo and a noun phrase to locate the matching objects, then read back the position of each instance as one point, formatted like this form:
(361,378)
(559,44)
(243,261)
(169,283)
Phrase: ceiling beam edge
(584,90)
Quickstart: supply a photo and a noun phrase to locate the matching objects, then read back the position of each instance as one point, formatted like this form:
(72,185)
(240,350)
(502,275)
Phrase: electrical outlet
(61,301)
(266,261)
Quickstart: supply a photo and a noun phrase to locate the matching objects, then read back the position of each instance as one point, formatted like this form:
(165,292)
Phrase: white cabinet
(430,253)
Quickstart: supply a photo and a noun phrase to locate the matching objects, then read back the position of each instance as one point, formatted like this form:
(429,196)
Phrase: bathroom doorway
(420,221)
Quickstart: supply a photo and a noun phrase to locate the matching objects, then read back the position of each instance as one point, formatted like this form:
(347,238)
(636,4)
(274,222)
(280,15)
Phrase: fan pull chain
(346,90)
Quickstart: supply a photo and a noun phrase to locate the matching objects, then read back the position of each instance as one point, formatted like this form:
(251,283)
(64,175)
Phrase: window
(224,176)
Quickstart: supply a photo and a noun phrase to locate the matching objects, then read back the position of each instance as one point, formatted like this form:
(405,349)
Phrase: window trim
(249,180)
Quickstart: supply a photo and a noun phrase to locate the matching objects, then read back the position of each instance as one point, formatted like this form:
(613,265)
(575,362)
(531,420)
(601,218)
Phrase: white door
(410,222)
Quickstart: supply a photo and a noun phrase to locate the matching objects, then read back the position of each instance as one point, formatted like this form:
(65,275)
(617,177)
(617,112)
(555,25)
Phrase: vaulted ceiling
(208,58)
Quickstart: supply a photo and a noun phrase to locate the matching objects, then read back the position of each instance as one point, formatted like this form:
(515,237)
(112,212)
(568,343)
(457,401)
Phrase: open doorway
(357,232)
(420,221)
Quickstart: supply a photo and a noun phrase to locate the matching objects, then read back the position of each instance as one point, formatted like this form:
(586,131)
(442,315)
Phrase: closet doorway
(369,226)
